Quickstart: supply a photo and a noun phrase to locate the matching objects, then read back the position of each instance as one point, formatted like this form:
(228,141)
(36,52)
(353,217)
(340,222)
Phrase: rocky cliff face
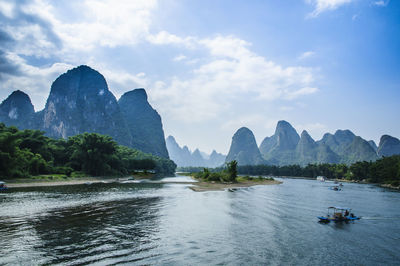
(309,151)
(284,139)
(373,145)
(388,146)
(216,159)
(358,150)
(176,153)
(348,147)
(325,155)
(17,110)
(80,101)
(244,148)
(198,159)
(339,141)
(342,147)
(281,146)
(184,158)
(306,148)
(144,123)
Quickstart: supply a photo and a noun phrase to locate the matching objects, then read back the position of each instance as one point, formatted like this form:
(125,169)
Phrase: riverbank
(50,183)
(198,186)
(55,180)
(389,186)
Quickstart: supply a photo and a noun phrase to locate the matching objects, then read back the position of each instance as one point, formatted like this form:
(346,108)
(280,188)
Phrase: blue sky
(210,67)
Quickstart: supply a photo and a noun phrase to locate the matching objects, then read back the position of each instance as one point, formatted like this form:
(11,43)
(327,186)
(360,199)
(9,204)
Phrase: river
(142,223)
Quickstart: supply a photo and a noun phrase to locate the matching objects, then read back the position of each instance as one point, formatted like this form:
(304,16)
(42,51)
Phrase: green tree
(232,170)
(94,153)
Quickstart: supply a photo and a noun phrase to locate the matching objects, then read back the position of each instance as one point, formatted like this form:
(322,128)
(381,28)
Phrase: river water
(170,224)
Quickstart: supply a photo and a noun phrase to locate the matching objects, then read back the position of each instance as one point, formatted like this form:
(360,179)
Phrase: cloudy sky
(211,67)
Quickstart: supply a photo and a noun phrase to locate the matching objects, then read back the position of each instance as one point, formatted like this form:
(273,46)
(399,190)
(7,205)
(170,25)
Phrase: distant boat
(321,178)
(338,214)
(3,186)
(336,188)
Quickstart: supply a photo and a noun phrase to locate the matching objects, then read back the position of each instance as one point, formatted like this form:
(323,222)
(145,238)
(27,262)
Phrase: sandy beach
(207,186)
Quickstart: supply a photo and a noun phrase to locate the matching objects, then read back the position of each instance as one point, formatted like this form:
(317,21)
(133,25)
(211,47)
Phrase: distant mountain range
(183,157)
(80,101)
(286,147)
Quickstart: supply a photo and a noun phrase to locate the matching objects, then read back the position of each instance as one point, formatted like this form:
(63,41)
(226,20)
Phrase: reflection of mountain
(183,157)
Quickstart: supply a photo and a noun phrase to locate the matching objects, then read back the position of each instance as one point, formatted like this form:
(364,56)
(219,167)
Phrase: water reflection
(170,224)
(79,224)
(104,230)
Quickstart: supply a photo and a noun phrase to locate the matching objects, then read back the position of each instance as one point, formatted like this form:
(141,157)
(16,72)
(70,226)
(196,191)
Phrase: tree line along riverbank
(383,171)
(28,153)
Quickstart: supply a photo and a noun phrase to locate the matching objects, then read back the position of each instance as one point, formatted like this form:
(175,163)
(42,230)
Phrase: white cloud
(225,71)
(179,58)
(232,71)
(109,23)
(101,23)
(7,9)
(303,91)
(37,30)
(381,3)
(325,5)
(164,38)
(306,55)
(36,81)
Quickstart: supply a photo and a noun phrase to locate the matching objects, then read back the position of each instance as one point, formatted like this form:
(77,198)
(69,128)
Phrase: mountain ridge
(183,157)
(80,101)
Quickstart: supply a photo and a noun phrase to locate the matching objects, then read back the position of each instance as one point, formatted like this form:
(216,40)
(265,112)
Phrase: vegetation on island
(26,153)
(384,171)
(226,178)
(227,174)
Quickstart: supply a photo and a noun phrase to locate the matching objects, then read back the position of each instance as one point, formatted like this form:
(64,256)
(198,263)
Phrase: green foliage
(232,170)
(28,152)
(94,154)
(385,170)
(251,178)
(225,175)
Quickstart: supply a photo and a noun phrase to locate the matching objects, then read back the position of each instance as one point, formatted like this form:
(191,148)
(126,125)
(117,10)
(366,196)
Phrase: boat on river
(338,214)
(321,178)
(336,188)
(3,186)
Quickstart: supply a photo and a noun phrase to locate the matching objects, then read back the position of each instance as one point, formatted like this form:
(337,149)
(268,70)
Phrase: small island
(227,179)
